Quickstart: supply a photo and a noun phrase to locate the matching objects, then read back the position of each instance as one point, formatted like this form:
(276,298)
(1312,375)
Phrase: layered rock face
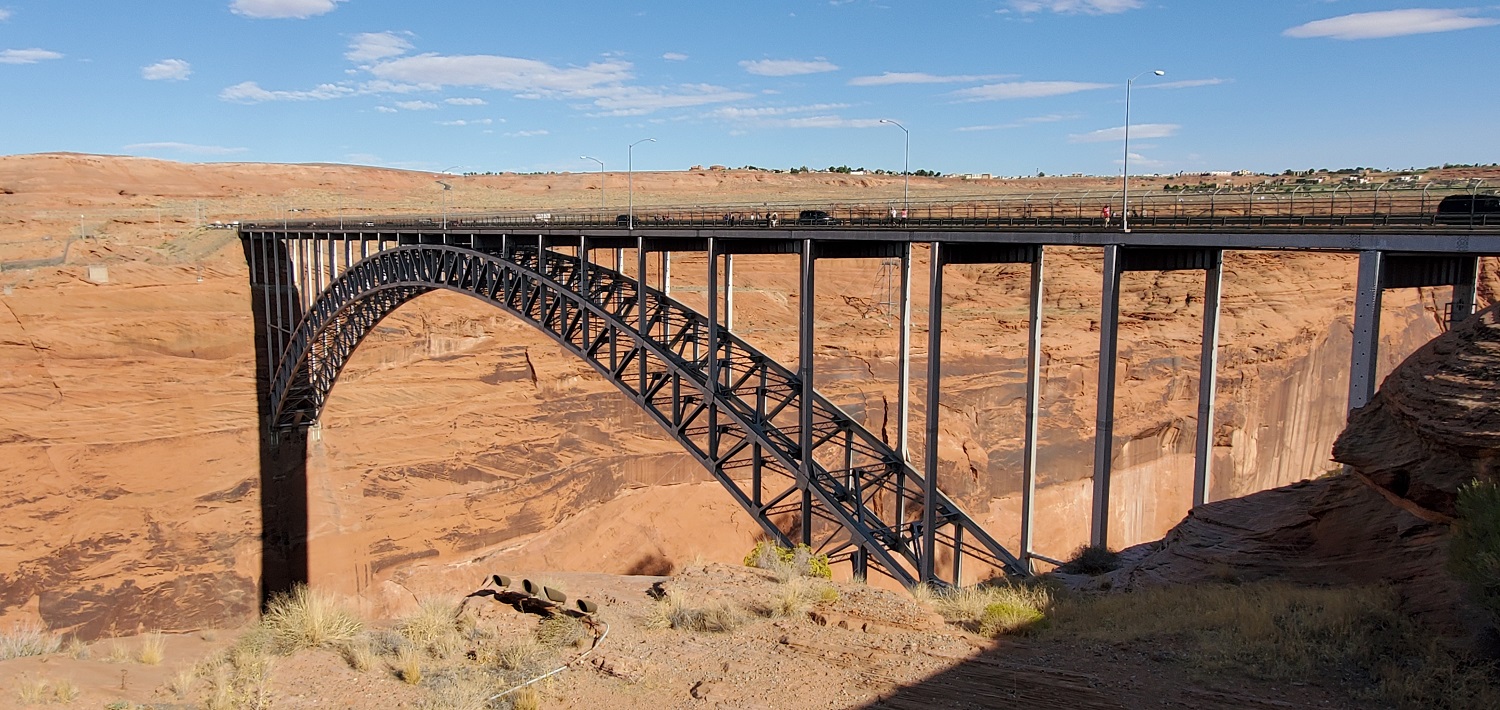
(1433,426)
(459,439)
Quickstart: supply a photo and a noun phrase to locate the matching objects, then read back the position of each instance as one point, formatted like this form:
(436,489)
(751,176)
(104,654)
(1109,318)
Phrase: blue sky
(1000,86)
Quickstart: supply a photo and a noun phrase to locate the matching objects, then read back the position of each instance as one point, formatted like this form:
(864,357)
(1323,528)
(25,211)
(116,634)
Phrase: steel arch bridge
(805,472)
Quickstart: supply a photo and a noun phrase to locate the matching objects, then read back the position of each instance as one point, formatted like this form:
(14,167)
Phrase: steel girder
(744,428)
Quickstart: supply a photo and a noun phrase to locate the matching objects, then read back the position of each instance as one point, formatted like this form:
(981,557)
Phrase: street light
(446,188)
(905,174)
(601,182)
(630,180)
(1125,173)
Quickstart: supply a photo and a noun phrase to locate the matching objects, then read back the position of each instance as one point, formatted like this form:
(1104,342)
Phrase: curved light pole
(446,188)
(601,182)
(905,174)
(1125,173)
(630,180)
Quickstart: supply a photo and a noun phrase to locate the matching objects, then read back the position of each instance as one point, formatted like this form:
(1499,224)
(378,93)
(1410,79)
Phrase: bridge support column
(903,384)
(1465,293)
(928,543)
(807,298)
(729,292)
(1109,321)
(666,272)
(584,288)
(1033,398)
(713,350)
(1366,346)
(1208,381)
(642,324)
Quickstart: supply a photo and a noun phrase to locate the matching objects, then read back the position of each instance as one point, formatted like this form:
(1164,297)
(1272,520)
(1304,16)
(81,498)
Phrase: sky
(1007,87)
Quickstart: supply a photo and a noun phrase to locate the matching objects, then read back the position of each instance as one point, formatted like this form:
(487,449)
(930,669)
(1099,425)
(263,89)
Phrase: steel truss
(863,501)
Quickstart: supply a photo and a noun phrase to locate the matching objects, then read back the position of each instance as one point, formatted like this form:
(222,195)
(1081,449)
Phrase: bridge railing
(1253,208)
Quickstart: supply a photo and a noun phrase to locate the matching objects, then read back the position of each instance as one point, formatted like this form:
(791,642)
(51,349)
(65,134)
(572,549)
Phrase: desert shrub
(526,657)
(153,649)
(408,665)
(183,683)
(44,691)
(674,612)
(1287,633)
(305,618)
(358,653)
(990,609)
(561,631)
(27,639)
(786,563)
(1474,553)
(434,628)
(1092,560)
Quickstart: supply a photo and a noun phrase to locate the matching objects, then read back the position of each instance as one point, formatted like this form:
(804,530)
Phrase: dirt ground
(866,648)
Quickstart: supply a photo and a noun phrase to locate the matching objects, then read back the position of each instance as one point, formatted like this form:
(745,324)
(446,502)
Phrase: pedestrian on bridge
(1106,214)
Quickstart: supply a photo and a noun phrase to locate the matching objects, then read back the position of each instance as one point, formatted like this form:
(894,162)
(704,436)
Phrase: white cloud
(498,72)
(249,92)
(1029,121)
(637,100)
(1026,90)
(822,122)
(416,105)
(463,101)
(4,15)
(675,57)
(27,56)
(280,9)
(528,134)
(734,113)
(1115,135)
(385,109)
(468,122)
(167,70)
(1184,84)
(1073,7)
(787,67)
(175,147)
(372,46)
(1390,23)
(891,77)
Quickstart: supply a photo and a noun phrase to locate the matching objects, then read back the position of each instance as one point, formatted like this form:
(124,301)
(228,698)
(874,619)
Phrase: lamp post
(630,181)
(601,182)
(446,188)
(1125,173)
(906,173)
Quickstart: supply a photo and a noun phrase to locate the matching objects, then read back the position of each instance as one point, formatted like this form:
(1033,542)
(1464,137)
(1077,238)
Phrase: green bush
(799,561)
(1474,553)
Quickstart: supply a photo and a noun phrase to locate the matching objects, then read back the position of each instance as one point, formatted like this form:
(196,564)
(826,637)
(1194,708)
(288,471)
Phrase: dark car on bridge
(816,218)
(1469,209)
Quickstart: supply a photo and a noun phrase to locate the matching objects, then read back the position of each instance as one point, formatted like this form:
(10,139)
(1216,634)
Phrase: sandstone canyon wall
(460,441)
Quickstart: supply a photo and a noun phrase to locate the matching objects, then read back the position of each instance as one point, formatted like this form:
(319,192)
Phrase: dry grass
(674,612)
(183,683)
(408,665)
(526,699)
(306,618)
(118,652)
(561,631)
(77,649)
(27,639)
(44,691)
(1285,633)
(990,609)
(435,628)
(358,654)
(153,649)
(797,595)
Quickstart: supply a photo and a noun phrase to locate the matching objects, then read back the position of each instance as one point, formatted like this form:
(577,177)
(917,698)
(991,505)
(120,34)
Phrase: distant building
(974,176)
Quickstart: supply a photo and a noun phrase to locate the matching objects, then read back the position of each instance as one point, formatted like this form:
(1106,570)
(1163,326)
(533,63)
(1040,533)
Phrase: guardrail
(1252,209)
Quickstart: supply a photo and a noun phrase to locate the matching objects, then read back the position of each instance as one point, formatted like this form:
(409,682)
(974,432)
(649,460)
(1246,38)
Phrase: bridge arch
(866,502)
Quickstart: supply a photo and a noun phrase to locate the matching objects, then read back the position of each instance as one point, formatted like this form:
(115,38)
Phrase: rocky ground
(851,647)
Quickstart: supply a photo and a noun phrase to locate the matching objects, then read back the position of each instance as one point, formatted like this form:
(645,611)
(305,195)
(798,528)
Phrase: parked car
(622,220)
(1466,209)
(816,218)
